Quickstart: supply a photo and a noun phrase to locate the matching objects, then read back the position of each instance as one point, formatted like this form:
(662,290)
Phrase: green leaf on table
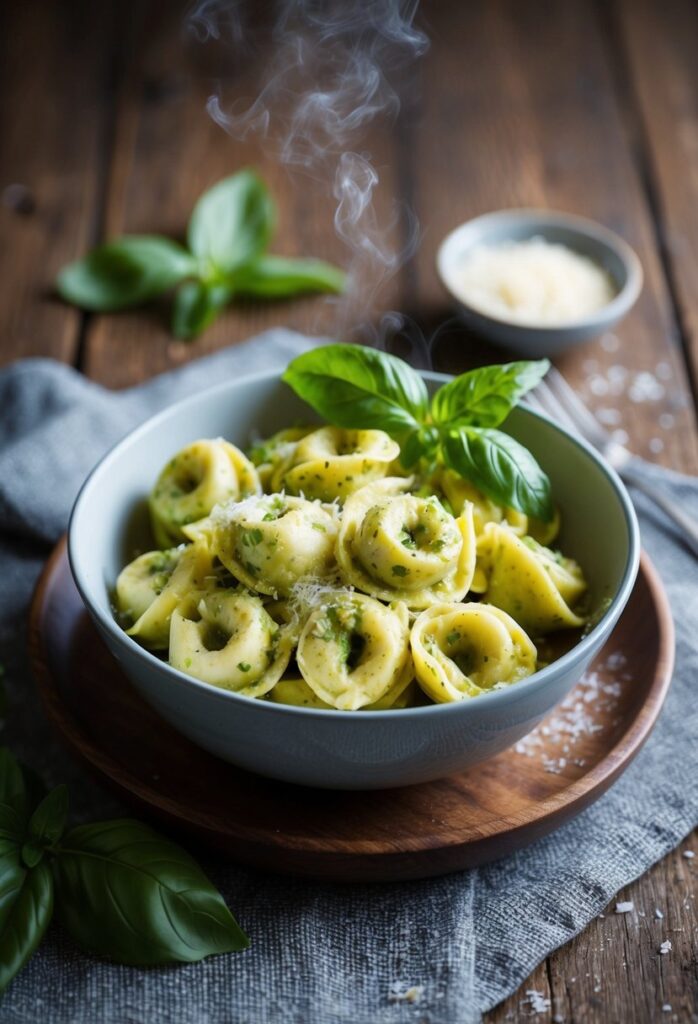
(125,272)
(14,798)
(196,306)
(277,277)
(47,823)
(501,468)
(231,224)
(485,397)
(353,386)
(124,892)
(25,914)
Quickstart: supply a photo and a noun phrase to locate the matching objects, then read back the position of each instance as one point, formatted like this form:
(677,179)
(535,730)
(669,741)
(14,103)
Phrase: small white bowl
(582,236)
(341,749)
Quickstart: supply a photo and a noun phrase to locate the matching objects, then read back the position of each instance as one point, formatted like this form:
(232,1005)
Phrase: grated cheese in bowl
(532,282)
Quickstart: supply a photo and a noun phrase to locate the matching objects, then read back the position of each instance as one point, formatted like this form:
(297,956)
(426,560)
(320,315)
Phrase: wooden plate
(430,829)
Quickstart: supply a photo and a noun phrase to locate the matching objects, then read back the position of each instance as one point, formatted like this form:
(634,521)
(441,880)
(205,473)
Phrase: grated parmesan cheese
(532,282)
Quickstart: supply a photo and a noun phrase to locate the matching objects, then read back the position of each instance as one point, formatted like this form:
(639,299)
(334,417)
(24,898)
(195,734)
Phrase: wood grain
(500,806)
(55,63)
(663,38)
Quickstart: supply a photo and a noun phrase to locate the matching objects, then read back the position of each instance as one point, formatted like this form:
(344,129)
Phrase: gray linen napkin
(320,954)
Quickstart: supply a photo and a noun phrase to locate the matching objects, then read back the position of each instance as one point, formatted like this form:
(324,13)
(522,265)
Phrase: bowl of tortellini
(291,598)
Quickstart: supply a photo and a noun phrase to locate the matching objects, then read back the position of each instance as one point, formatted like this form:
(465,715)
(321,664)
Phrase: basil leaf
(47,823)
(501,468)
(231,224)
(352,386)
(485,397)
(11,876)
(124,892)
(276,277)
(196,306)
(25,919)
(124,273)
(417,445)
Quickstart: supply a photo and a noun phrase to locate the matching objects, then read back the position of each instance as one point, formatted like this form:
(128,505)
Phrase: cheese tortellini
(395,545)
(354,651)
(462,650)
(227,638)
(537,586)
(318,574)
(202,475)
(271,543)
(331,463)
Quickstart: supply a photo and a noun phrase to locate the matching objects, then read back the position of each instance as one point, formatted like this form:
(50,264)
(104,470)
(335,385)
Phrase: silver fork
(557,399)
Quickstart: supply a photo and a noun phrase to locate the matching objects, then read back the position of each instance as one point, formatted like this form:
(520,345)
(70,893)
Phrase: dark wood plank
(167,150)
(660,43)
(54,68)
(524,111)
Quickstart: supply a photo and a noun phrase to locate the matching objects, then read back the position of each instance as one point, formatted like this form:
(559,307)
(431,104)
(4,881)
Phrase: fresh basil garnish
(485,397)
(127,272)
(121,889)
(229,231)
(356,387)
(26,918)
(125,892)
(501,468)
(360,387)
(231,224)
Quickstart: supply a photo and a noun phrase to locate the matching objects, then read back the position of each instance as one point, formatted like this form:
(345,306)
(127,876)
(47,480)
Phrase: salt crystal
(667,421)
(620,436)
(646,388)
(598,385)
(656,445)
(688,854)
(609,417)
(658,914)
(663,371)
(610,343)
(617,374)
(537,1001)
(558,1019)
(625,907)
(666,1008)
(665,947)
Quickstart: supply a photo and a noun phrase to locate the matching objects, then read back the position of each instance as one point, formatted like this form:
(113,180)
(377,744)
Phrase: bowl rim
(583,227)
(535,681)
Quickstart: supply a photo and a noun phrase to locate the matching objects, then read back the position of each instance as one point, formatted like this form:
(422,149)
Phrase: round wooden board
(458,822)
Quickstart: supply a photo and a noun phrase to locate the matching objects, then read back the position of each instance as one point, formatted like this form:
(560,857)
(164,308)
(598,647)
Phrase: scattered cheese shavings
(538,1002)
(624,907)
(402,993)
(665,947)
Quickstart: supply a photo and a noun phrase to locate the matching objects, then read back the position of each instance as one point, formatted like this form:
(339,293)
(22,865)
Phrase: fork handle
(687,524)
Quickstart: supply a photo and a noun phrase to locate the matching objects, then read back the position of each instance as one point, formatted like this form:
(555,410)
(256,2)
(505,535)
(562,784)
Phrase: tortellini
(228,639)
(176,574)
(537,586)
(332,463)
(395,545)
(294,690)
(270,543)
(354,651)
(319,574)
(463,650)
(200,476)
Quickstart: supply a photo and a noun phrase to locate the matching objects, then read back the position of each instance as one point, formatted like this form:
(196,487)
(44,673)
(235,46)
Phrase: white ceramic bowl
(333,749)
(583,236)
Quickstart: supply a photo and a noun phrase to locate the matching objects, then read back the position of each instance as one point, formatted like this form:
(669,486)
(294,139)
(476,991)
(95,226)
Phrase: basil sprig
(356,387)
(119,888)
(226,257)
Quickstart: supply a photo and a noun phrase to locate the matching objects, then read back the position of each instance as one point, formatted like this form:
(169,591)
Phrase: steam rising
(328,69)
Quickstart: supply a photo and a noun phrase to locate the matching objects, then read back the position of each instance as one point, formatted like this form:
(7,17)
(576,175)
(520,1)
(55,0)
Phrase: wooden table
(591,108)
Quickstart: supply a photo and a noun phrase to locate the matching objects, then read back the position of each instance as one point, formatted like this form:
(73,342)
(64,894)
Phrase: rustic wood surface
(585,106)
(458,822)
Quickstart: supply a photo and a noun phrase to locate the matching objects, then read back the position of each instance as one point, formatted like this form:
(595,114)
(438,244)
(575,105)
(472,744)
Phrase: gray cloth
(320,954)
